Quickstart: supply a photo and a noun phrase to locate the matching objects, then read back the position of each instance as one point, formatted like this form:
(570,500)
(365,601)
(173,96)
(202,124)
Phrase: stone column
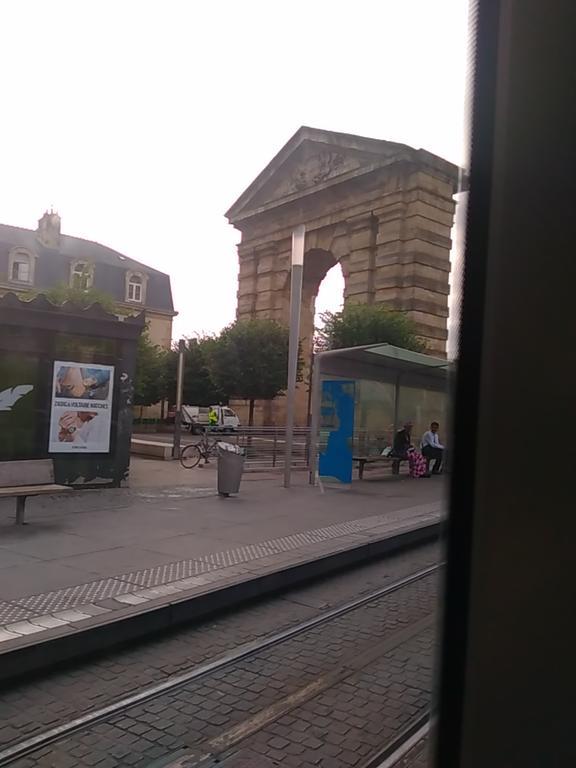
(265,279)
(360,260)
(246,282)
(412,261)
(264,292)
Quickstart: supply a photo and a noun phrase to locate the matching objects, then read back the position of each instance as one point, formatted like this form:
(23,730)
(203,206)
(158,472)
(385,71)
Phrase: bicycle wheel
(190,456)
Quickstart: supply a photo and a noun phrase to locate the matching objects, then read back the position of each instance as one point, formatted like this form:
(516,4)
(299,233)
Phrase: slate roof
(53,265)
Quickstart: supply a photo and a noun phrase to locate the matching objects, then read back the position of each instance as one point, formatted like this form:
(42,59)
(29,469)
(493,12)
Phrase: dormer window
(21,267)
(81,275)
(135,287)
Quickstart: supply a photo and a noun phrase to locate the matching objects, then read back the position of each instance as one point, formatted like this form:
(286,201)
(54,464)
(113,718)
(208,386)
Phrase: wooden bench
(376,459)
(20,479)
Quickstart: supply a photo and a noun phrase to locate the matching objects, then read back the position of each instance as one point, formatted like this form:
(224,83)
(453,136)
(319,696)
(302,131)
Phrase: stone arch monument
(383,211)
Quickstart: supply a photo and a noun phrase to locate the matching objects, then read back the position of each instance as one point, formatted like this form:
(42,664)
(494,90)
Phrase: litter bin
(230,467)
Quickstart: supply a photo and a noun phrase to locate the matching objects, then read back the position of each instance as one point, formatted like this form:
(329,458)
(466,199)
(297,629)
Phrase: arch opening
(323,290)
(330,296)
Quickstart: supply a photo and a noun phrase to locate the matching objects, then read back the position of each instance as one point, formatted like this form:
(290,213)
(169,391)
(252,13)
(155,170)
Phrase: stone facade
(383,211)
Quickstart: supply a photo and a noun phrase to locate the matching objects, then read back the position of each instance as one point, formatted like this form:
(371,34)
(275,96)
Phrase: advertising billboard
(81,407)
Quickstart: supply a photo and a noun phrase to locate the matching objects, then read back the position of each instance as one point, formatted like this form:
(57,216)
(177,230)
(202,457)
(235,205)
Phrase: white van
(197,417)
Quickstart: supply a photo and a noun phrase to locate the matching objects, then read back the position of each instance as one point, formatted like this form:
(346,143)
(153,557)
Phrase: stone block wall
(390,230)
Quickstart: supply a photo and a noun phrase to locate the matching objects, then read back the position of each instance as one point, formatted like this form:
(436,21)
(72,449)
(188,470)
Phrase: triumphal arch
(382,210)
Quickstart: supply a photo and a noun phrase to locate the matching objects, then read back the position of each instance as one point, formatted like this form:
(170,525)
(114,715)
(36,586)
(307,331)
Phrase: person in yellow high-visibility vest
(213,418)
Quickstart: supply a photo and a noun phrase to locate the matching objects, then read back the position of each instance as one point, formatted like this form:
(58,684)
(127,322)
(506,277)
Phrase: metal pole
(298,236)
(315,423)
(310,377)
(396,405)
(179,388)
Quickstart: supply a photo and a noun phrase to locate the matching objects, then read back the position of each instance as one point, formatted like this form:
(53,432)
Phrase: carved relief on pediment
(318,169)
(309,166)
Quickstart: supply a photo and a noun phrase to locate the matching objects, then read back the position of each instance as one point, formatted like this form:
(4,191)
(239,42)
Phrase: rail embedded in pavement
(28,746)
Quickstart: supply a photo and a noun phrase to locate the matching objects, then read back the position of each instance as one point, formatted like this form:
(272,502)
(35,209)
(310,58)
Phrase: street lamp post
(179,389)
(298,236)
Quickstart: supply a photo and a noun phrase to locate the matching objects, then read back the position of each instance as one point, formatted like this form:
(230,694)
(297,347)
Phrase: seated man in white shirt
(432,448)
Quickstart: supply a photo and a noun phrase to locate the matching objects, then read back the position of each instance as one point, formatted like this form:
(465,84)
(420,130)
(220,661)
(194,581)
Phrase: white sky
(141,121)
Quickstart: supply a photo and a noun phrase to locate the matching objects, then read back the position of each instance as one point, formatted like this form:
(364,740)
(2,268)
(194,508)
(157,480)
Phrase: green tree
(150,374)
(360,324)
(199,387)
(249,360)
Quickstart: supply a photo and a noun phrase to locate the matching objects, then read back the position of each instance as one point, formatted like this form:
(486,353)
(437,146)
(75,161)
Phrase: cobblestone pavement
(338,690)
(351,721)
(43,702)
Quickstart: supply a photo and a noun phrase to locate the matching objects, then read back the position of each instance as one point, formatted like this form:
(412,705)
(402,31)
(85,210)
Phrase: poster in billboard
(81,413)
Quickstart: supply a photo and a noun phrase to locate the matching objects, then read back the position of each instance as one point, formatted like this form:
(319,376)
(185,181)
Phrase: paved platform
(150,472)
(89,559)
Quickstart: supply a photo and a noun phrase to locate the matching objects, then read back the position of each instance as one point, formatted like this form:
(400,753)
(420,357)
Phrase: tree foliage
(249,360)
(199,387)
(360,324)
(150,374)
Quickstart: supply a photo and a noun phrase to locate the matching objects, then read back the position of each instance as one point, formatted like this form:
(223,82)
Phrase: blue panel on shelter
(337,419)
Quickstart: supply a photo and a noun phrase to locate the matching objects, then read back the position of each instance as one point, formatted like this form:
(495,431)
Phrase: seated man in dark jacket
(402,441)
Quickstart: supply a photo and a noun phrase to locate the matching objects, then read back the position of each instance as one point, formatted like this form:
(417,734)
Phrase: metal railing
(265,447)
(372,442)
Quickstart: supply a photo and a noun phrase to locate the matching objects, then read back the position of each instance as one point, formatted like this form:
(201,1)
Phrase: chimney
(48,232)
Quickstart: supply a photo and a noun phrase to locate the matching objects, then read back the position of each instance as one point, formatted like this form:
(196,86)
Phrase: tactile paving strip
(164,574)
(95,591)
(71,597)
(10,613)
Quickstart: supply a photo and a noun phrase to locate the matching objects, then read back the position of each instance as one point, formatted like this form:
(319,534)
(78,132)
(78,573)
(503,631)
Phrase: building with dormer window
(36,260)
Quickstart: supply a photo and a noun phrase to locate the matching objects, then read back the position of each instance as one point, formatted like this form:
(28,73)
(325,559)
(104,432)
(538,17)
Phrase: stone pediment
(311,165)
(311,160)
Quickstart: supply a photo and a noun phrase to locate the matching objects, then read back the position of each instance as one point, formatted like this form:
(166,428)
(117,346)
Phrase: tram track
(220,751)
(398,753)
(63,731)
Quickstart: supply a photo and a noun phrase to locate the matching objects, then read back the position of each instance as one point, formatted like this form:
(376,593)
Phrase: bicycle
(192,454)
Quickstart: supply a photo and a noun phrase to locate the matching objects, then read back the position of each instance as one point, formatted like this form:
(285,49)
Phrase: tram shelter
(362,395)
